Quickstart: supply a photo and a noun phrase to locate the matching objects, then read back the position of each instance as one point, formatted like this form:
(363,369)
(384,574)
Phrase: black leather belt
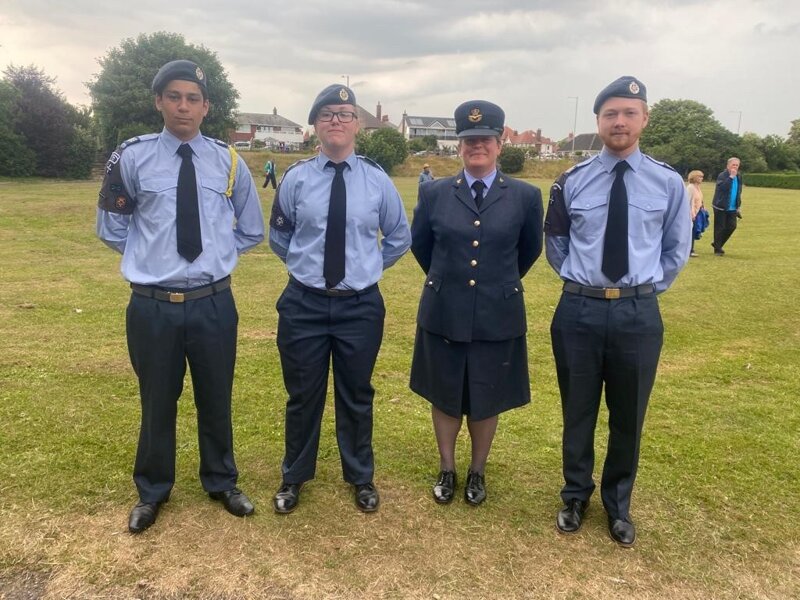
(646,289)
(332,293)
(176,296)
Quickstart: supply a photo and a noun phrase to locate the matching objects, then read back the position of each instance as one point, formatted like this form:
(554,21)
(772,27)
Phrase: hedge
(789,181)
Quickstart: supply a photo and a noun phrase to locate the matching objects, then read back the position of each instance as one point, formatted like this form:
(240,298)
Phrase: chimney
(275,110)
(539,135)
(378,111)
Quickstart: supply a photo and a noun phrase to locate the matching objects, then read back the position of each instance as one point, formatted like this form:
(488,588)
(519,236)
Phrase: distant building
(370,122)
(588,144)
(528,140)
(277,132)
(442,128)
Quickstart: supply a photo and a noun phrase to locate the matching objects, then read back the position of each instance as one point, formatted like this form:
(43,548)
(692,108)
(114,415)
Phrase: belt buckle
(610,293)
(176,297)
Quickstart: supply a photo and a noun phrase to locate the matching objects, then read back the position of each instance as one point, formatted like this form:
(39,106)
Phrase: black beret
(185,70)
(333,94)
(624,87)
(479,118)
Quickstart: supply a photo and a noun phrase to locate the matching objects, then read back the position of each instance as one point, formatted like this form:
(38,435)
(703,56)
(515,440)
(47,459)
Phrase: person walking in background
(180,236)
(425,174)
(727,204)
(325,224)
(617,234)
(475,236)
(695,178)
(269,172)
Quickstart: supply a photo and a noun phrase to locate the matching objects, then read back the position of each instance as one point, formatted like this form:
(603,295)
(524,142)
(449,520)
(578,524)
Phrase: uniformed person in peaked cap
(475,236)
(617,233)
(180,212)
(326,219)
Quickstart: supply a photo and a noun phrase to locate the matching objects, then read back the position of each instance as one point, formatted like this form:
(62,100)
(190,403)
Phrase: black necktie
(187,215)
(615,245)
(333,268)
(478,186)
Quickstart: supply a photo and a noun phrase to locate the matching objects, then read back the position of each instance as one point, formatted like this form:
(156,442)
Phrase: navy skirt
(480,379)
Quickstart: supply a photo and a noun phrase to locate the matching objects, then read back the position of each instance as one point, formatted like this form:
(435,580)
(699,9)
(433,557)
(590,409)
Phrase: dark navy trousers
(315,331)
(611,344)
(162,337)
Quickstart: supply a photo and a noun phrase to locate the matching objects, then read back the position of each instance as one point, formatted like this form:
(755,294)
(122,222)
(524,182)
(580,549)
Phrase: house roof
(270,119)
(431,122)
(369,121)
(583,142)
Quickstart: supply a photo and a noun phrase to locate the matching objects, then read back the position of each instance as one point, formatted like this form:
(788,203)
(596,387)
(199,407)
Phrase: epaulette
(658,162)
(295,164)
(368,160)
(216,141)
(113,196)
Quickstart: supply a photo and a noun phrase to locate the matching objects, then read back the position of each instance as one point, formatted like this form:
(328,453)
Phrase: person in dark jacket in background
(727,203)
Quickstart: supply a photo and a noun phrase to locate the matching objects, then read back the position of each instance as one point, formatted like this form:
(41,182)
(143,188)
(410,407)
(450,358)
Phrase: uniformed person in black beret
(180,212)
(617,233)
(338,223)
(475,236)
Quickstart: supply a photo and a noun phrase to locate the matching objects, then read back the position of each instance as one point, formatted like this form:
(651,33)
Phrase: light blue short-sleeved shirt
(659,223)
(147,237)
(300,216)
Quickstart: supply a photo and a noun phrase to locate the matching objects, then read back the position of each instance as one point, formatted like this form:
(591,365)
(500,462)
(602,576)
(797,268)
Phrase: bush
(16,159)
(512,160)
(787,181)
(387,147)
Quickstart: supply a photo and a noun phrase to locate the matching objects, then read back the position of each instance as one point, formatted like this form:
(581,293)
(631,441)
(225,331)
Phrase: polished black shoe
(570,517)
(367,499)
(235,502)
(286,498)
(475,488)
(622,531)
(717,252)
(143,515)
(445,487)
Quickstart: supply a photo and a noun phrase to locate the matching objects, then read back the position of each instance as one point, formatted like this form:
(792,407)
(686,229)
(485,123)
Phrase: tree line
(42,134)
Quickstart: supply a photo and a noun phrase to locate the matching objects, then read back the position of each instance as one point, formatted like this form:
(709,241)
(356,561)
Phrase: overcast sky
(738,57)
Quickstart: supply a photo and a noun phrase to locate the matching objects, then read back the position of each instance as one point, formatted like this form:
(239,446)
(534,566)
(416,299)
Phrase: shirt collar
(172,143)
(487,180)
(322,160)
(609,160)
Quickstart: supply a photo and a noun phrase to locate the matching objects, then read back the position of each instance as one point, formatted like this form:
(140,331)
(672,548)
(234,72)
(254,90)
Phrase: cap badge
(633,87)
(343,94)
(475,115)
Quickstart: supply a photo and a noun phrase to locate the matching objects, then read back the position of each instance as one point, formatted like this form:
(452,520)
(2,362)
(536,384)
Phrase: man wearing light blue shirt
(326,219)
(617,232)
(180,212)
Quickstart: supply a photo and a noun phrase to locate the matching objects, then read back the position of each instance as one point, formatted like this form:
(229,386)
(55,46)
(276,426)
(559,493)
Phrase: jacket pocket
(512,289)
(433,282)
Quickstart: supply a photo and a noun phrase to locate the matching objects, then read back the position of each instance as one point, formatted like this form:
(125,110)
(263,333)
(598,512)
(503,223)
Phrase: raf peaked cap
(624,87)
(185,70)
(333,94)
(479,118)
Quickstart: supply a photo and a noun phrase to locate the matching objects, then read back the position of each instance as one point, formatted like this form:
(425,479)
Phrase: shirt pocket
(155,199)
(646,215)
(216,205)
(588,217)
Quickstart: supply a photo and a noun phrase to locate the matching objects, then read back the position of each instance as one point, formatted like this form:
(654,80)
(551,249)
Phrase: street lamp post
(574,122)
(739,125)
(347,79)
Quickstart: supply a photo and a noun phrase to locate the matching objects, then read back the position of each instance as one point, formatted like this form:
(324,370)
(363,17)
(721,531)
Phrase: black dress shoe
(445,487)
(570,517)
(142,516)
(475,489)
(286,498)
(367,498)
(235,502)
(622,531)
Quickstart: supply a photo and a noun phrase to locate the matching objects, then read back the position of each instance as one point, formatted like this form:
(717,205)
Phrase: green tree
(386,146)
(685,134)
(778,154)
(16,159)
(512,159)
(58,134)
(427,143)
(751,154)
(121,94)
(794,133)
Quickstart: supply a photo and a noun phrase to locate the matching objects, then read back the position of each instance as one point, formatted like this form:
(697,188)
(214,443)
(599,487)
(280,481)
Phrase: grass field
(715,502)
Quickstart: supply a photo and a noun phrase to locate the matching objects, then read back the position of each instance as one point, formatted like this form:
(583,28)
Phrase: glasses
(344,116)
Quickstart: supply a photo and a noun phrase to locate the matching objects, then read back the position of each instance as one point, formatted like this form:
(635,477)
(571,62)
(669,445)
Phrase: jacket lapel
(495,192)
(463,193)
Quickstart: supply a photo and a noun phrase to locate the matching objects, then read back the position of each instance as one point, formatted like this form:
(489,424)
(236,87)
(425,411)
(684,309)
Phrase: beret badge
(344,95)
(634,87)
